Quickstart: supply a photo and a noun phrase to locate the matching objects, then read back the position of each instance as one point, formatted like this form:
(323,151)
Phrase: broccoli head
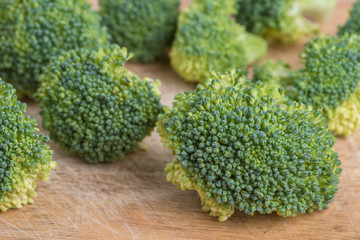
(245,146)
(280,20)
(352,26)
(94,107)
(144,27)
(25,158)
(329,80)
(31,32)
(317,9)
(208,38)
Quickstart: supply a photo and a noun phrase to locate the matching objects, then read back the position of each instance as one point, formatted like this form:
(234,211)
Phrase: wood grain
(131,199)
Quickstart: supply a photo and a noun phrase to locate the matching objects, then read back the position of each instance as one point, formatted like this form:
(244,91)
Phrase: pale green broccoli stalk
(245,146)
(352,26)
(329,80)
(25,158)
(144,27)
(208,38)
(32,32)
(279,20)
(96,108)
(317,9)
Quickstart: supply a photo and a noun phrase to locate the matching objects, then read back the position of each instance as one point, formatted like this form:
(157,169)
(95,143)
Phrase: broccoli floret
(279,20)
(245,146)
(317,9)
(144,27)
(352,26)
(31,32)
(25,158)
(94,107)
(209,39)
(329,80)
(275,72)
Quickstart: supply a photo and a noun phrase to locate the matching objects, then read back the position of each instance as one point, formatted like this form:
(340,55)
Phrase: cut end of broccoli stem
(317,9)
(255,47)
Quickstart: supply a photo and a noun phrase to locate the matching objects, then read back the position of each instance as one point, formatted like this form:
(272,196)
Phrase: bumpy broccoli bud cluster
(31,32)
(317,9)
(330,81)
(208,38)
(279,20)
(244,146)
(352,26)
(144,27)
(94,107)
(25,158)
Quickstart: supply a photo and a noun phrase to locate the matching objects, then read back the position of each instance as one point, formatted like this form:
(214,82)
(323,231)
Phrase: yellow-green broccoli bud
(280,20)
(208,38)
(25,157)
(32,32)
(352,26)
(94,107)
(245,146)
(317,9)
(144,27)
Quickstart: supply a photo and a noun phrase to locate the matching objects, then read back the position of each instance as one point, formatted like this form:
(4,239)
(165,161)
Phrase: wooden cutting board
(131,199)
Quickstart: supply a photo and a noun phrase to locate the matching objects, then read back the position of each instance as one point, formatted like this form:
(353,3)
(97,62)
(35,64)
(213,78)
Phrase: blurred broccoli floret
(274,72)
(244,146)
(94,107)
(317,9)
(25,158)
(280,20)
(352,26)
(208,38)
(144,27)
(32,32)
(329,81)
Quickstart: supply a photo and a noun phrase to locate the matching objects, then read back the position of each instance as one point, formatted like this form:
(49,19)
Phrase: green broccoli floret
(280,20)
(274,72)
(352,26)
(25,158)
(329,80)
(245,146)
(209,39)
(317,9)
(31,32)
(94,107)
(144,27)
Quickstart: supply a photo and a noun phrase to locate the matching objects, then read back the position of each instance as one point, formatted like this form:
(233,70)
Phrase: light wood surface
(131,199)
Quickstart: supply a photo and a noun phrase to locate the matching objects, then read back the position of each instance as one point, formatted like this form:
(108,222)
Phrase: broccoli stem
(255,47)
(317,9)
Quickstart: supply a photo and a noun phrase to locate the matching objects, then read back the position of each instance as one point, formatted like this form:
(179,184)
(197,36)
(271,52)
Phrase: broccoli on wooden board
(245,146)
(329,80)
(352,25)
(207,38)
(96,108)
(32,32)
(25,157)
(144,27)
(279,20)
